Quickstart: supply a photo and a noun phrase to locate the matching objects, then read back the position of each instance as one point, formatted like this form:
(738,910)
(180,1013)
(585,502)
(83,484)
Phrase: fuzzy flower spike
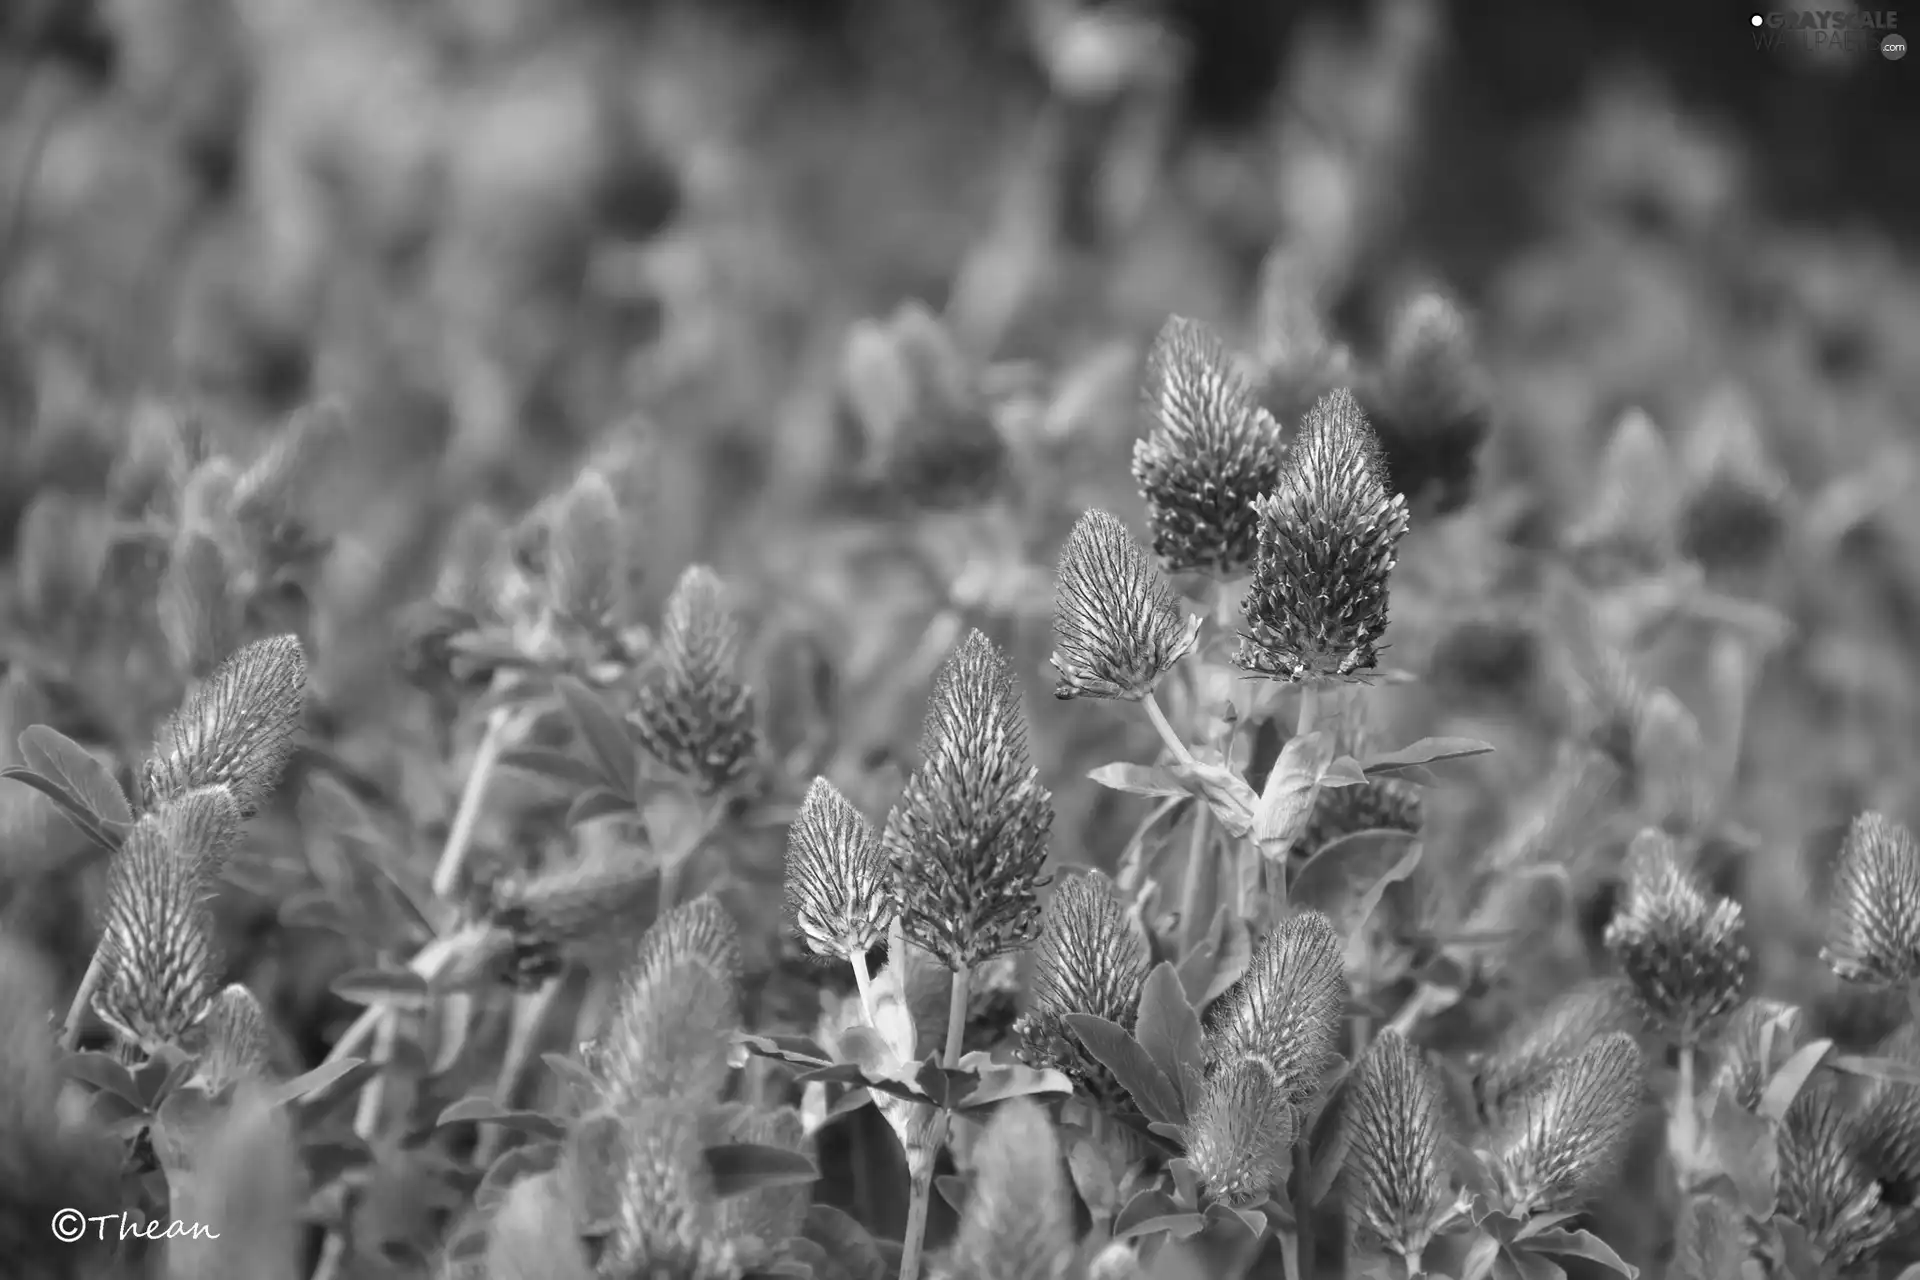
(1874,934)
(1118,627)
(838,889)
(696,716)
(969,834)
(1682,951)
(1328,542)
(1211,451)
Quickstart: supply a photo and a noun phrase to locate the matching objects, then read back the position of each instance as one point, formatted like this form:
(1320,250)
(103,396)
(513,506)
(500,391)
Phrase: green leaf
(399,987)
(1131,1065)
(953,1190)
(69,805)
(1480,1259)
(1226,792)
(555,766)
(1424,752)
(1286,802)
(1521,1265)
(1169,1030)
(343,1073)
(795,1049)
(1581,1244)
(1139,780)
(1791,1078)
(599,802)
(1344,772)
(1197,967)
(1345,880)
(981,1082)
(1094,1178)
(1746,1152)
(52,754)
(525,1161)
(1153,1211)
(1888,1069)
(105,1073)
(1236,953)
(480,1110)
(605,736)
(1252,1219)
(740,1167)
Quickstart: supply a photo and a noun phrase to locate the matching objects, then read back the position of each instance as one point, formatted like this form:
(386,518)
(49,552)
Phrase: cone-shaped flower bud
(1886,1121)
(1568,1138)
(1116,623)
(668,1222)
(677,1006)
(236,729)
(969,834)
(1873,935)
(1735,504)
(237,1048)
(1823,1184)
(1018,1223)
(1431,406)
(202,826)
(1212,450)
(1381,804)
(1526,1058)
(695,716)
(160,967)
(1396,1176)
(1091,959)
(198,613)
(270,498)
(1682,951)
(1628,527)
(1242,1132)
(1329,538)
(573,913)
(1287,1010)
(1756,1042)
(586,563)
(839,887)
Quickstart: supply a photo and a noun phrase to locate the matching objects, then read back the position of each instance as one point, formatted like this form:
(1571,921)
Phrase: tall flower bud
(160,966)
(1567,1139)
(1117,625)
(969,835)
(236,729)
(1328,534)
(1242,1132)
(839,890)
(1873,935)
(1091,959)
(1682,951)
(586,562)
(1526,1058)
(1018,1223)
(1212,450)
(695,715)
(1287,1010)
(1395,1168)
(1824,1186)
(1431,405)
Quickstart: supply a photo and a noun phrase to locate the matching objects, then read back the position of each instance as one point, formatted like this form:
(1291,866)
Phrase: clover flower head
(1825,1186)
(969,834)
(1329,534)
(1090,959)
(1528,1055)
(1567,1139)
(1395,1169)
(695,715)
(1287,1010)
(839,888)
(1873,934)
(586,561)
(160,965)
(236,729)
(1211,451)
(1018,1223)
(1242,1132)
(1117,625)
(1682,950)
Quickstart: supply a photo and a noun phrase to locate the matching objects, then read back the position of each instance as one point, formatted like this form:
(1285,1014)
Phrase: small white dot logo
(1894,47)
(1759,21)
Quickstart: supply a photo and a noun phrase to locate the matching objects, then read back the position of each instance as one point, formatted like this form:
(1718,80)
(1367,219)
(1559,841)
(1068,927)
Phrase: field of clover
(641,646)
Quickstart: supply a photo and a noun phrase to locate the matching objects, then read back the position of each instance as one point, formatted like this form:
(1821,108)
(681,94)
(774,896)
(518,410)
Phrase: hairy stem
(466,817)
(914,1242)
(1165,726)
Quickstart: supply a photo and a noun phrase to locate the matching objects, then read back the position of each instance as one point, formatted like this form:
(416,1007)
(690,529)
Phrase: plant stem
(1303,1242)
(366,1124)
(529,1017)
(77,1011)
(1199,862)
(1683,1130)
(429,962)
(1160,722)
(466,817)
(1309,709)
(914,1241)
(864,980)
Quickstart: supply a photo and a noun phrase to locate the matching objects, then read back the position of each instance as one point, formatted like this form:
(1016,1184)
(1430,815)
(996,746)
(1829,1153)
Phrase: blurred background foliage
(507,234)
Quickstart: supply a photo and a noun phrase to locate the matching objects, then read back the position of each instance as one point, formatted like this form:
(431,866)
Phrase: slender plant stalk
(466,817)
(1683,1130)
(1165,726)
(864,980)
(529,1018)
(915,1240)
(430,962)
(1303,1241)
(77,1011)
(366,1126)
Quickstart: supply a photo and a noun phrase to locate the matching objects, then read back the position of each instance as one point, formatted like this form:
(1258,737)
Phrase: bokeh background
(507,235)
